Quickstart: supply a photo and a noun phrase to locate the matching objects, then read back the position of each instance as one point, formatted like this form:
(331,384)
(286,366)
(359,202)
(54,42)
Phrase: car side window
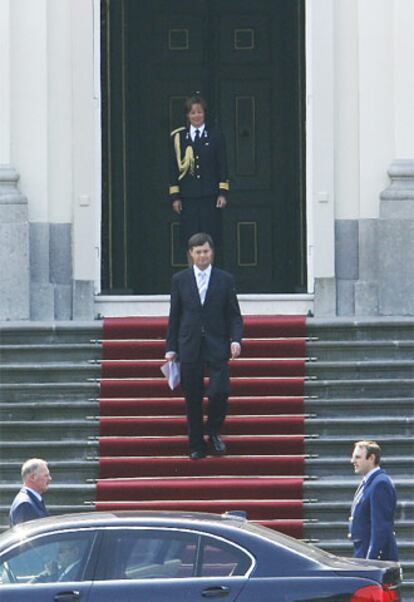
(48,559)
(149,554)
(221,559)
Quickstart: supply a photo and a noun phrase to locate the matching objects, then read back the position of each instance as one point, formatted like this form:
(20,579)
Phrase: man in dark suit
(28,503)
(69,554)
(371,524)
(66,567)
(205,329)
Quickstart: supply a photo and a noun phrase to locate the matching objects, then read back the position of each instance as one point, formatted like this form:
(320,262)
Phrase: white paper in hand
(171,371)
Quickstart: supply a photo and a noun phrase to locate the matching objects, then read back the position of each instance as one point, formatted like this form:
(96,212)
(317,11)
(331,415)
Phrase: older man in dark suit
(205,329)
(28,503)
(371,524)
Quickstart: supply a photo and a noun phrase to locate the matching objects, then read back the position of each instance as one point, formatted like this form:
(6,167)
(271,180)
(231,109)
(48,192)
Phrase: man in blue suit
(28,503)
(205,329)
(371,524)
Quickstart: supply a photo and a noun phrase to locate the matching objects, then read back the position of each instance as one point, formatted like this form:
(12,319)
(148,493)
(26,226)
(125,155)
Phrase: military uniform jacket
(198,168)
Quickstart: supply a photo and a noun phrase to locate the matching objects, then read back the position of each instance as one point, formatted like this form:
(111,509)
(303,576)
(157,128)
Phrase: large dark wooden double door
(246,57)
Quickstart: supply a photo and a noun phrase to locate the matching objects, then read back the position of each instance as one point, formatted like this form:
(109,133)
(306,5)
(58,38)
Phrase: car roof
(217,524)
(124,517)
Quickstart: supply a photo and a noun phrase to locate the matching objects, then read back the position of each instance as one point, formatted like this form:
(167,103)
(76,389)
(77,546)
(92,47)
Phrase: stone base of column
(14,249)
(396,242)
(325,297)
(375,257)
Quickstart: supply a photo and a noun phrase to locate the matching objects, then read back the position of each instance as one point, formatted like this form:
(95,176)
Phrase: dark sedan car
(169,556)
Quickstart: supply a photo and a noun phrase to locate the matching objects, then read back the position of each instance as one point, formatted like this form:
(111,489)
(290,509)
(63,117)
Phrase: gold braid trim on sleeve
(187,163)
(224,186)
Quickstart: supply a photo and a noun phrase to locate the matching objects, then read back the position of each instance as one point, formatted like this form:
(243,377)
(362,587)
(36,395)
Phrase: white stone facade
(360,122)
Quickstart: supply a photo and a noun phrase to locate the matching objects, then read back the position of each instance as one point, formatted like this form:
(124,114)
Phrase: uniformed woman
(198,174)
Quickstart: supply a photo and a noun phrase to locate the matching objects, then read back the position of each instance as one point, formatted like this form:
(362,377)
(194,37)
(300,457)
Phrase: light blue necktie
(202,286)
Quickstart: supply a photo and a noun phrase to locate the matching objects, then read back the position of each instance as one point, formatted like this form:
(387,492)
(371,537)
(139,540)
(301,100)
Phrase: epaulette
(177,130)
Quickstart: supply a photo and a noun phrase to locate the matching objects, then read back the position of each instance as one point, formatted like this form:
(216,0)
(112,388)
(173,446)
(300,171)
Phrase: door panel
(47,592)
(246,115)
(247,58)
(168,590)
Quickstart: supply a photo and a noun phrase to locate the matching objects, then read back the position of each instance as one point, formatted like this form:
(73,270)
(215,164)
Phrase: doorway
(246,57)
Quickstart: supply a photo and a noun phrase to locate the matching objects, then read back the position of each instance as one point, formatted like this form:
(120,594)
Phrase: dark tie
(197,139)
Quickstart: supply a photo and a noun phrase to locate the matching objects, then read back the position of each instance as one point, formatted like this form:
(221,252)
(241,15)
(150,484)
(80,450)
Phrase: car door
(54,567)
(164,565)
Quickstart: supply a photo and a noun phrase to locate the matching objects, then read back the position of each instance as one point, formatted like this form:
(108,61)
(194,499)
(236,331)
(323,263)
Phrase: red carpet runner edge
(143,454)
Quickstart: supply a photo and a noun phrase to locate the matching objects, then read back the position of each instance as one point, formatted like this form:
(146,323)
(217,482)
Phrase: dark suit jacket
(209,175)
(216,324)
(26,507)
(372,526)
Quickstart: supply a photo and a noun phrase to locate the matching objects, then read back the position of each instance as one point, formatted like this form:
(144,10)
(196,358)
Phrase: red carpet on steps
(143,452)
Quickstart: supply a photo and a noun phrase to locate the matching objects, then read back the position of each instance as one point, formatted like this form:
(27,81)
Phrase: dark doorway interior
(247,58)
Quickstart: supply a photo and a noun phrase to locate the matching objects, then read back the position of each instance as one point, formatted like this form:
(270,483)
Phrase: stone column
(396,241)
(14,249)
(14,235)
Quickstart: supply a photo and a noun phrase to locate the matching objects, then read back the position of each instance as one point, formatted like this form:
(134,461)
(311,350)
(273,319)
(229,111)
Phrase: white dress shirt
(194,129)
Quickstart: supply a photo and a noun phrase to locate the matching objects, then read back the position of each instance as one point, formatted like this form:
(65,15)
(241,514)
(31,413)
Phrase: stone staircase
(47,394)
(361,387)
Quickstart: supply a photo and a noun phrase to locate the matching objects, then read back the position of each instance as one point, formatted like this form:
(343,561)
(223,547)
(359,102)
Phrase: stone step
(47,391)
(24,333)
(59,410)
(336,490)
(62,471)
(45,353)
(333,445)
(337,511)
(361,370)
(319,408)
(361,329)
(324,389)
(60,494)
(68,449)
(325,467)
(401,406)
(39,430)
(332,531)
(67,372)
(361,427)
(360,388)
(407,589)
(332,351)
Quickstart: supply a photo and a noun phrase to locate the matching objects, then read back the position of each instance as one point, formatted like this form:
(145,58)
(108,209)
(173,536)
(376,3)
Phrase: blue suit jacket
(371,527)
(26,507)
(216,323)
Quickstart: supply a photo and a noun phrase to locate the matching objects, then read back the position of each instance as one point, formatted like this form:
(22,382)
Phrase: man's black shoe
(218,444)
(197,455)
